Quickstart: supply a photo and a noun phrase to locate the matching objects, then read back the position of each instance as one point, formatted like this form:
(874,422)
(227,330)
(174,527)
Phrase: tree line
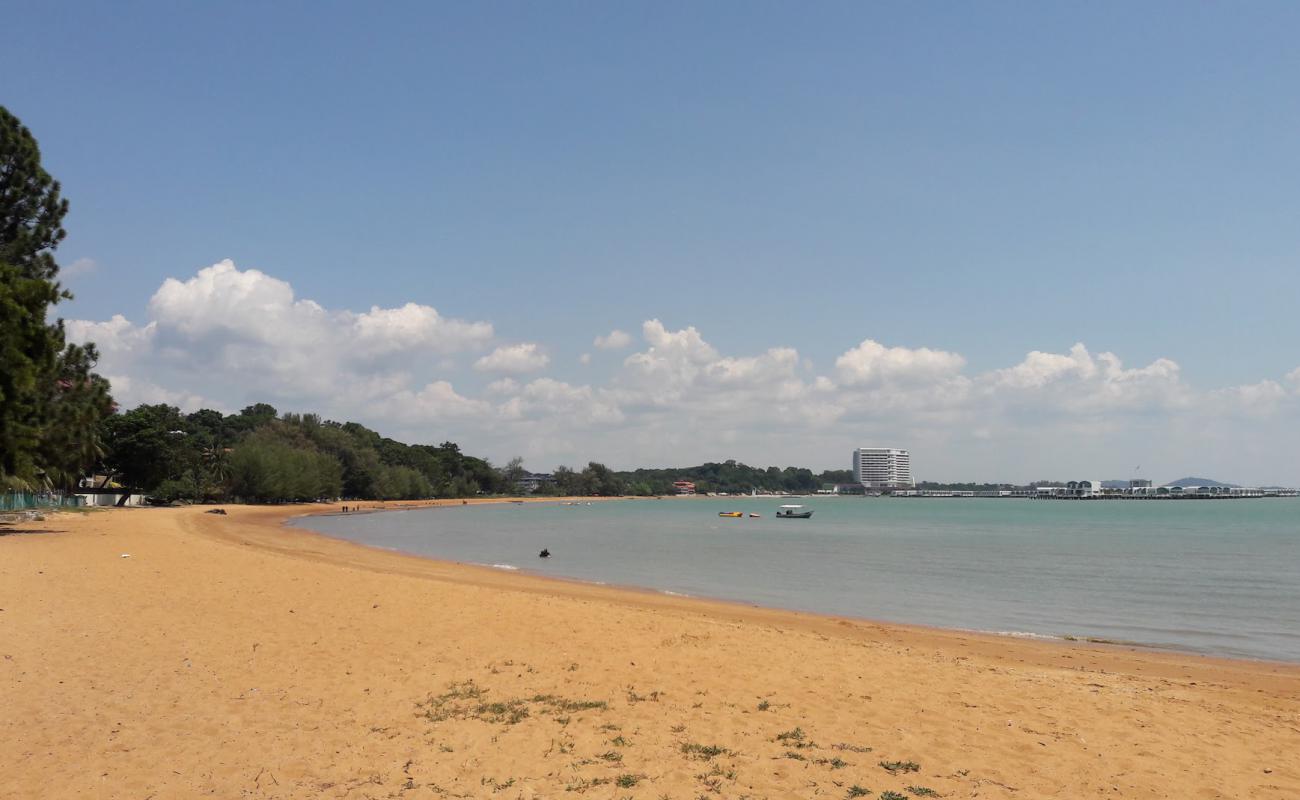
(729,476)
(258,455)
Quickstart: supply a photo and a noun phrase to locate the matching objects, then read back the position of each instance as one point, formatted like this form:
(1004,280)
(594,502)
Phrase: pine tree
(50,399)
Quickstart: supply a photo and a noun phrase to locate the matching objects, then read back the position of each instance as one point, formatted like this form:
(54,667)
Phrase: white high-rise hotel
(882,467)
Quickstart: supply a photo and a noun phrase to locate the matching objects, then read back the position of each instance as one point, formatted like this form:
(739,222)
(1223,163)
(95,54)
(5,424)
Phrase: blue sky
(982,181)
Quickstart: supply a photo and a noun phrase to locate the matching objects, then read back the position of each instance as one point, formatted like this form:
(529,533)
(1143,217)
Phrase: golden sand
(234,657)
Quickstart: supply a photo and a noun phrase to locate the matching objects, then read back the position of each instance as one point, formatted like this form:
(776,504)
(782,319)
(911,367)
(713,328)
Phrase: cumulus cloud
(436,402)
(226,337)
(1260,399)
(1077,381)
(872,362)
(515,358)
(614,340)
(244,335)
(116,339)
(549,399)
(249,305)
(503,386)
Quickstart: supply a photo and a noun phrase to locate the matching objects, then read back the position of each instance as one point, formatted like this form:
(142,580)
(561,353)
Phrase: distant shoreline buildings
(883,467)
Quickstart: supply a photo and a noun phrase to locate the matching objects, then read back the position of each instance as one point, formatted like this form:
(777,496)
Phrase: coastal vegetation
(51,401)
(729,476)
(260,455)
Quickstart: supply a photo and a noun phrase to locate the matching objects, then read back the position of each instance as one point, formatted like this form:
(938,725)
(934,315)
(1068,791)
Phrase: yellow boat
(730,514)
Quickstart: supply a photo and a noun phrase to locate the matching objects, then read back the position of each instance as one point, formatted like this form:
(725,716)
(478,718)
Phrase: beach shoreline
(107,615)
(1045,637)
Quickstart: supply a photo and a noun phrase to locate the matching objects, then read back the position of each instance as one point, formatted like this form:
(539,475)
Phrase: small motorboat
(793,512)
(755,516)
(736,514)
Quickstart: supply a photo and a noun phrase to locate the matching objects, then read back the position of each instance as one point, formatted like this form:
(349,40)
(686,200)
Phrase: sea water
(1219,577)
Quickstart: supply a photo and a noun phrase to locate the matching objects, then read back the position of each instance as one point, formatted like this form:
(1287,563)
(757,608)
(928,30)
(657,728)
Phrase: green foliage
(731,477)
(595,480)
(704,752)
(50,399)
(258,455)
(266,467)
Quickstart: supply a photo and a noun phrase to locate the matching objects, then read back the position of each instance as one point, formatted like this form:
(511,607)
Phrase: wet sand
(237,657)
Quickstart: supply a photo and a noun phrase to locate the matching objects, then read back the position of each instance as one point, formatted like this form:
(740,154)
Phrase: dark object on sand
(220,511)
(544,554)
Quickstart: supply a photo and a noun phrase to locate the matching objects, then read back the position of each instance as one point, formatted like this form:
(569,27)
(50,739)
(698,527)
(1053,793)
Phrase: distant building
(1139,483)
(532,481)
(883,467)
(683,487)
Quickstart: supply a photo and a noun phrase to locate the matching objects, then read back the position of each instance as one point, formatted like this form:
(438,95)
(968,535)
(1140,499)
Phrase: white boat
(793,512)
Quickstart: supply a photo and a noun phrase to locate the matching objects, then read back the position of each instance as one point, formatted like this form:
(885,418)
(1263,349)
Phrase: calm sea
(1218,577)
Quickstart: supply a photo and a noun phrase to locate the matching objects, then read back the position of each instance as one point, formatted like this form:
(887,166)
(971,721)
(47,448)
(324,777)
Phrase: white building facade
(883,467)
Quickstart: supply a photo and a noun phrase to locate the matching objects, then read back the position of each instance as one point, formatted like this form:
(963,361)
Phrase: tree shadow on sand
(5,530)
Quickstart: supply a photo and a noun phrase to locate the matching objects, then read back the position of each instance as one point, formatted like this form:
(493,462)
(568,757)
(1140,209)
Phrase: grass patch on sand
(795,738)
(466,700)
(895,767)
(704,752)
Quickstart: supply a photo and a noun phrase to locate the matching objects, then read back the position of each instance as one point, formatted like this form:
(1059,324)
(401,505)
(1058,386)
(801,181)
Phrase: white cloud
(549,399)
(242,335)
(584,359)
(872,362)
(1039,369)
(515,358)
(436,402)
(1260,399)
(417,326)
(227,337)
(129,392)
(503,386)
(614,340)
(1079,382)
(117,339)
(79,267)
(251,306)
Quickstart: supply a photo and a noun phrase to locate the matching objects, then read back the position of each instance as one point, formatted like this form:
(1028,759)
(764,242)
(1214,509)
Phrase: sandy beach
(169,653)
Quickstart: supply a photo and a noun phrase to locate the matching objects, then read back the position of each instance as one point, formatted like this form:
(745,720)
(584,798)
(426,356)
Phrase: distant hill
(1200,482)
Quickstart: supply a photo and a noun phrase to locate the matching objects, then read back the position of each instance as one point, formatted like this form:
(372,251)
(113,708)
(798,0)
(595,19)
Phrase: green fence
(21,501)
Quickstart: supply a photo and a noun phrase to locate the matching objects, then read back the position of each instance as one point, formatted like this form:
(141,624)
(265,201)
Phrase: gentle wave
(1023,635)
